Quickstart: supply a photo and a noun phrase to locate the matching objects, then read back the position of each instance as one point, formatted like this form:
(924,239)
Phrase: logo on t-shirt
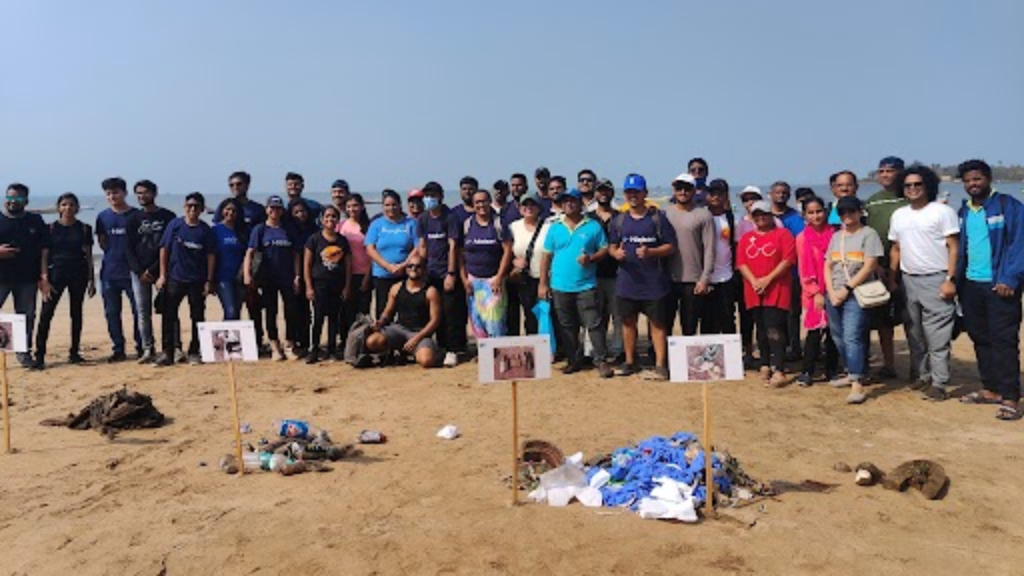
(331,257)
(641,239)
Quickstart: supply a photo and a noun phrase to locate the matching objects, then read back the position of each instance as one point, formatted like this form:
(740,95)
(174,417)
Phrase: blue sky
(392,94)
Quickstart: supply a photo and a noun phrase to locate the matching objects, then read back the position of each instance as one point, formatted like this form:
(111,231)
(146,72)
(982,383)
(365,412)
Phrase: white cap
(685,177)
(761,206)
(751,190)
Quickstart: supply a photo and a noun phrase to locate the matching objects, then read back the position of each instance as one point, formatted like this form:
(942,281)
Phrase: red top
(762,252)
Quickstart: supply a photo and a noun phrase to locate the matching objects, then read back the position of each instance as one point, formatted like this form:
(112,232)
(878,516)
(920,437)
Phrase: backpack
(495,222)
(655,216)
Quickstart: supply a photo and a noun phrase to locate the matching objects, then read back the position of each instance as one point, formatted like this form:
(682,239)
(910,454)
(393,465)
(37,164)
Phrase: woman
(354,230)
(304,224)
(485,260)
(232,239)
(389,241)
(272,263)
(527,239)
(811,248)
(852,260)
(764,257)
(328,277)
(69,267)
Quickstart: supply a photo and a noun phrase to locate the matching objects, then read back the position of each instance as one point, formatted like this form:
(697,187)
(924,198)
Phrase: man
(843,184)
(691,265)
(518,188)
(572,247)
(507,213)
(640,238)
(880,207)
(440,235)
(145,232)
(586,179)
(24,245)
(467,187)
(698,168)
(188,258)
(925,236)
(339,197)
(253,212)
(115,276)
(541,178)
(294,184)
(719,310)
(415,202)
(556,189)
(415,308)
(607,270)
(793,221)
(990,273)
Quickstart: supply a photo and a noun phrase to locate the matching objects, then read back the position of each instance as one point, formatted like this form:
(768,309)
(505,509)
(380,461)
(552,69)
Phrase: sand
(154,501)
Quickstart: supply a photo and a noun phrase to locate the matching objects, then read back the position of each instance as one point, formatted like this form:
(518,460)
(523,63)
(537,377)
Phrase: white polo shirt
(922,237)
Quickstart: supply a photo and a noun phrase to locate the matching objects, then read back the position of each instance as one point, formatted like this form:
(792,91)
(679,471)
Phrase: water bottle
(295,429)
(256,461)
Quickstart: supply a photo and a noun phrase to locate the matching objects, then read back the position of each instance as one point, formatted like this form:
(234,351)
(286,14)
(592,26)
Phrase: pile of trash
(659,477)
(108,414)
(296,448)
(925,475)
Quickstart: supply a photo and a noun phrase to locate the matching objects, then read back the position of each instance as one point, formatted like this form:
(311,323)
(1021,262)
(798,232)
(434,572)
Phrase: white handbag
(870,294)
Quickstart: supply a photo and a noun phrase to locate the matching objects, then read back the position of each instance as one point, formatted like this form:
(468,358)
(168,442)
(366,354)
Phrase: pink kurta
(811,246)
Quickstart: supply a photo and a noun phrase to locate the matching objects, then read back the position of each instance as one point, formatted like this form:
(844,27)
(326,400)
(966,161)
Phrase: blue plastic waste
(542,310)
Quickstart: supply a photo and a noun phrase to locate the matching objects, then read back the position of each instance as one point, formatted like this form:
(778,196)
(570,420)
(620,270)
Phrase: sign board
(229,340)
(514,358)
(710,358)
(13,336)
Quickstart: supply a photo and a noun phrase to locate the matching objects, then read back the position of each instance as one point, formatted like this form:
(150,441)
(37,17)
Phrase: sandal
(979,398)
(1009,413)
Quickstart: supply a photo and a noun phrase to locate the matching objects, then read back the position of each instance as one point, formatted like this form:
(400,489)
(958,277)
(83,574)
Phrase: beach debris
(813,486)
(867,474)
(371,437)
(111,413)
(842,467)
(926,475)
(448,432)
(299,447)
(245,428)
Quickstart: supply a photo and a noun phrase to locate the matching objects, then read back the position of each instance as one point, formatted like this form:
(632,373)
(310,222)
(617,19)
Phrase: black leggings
(270,293)
(527,290)
(454,316)
(381,288)
(297,328)
(75,284)
(812,347)
(771,335)
(326,304)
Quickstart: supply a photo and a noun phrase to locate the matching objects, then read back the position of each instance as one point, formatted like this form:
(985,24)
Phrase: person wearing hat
(718,315)
(640,239)
(440,235)
(528,235)
(852,257)
(277,273)
(880,207)
(690,266)
(415,202)
(764,257)
(568,272)
(607,270)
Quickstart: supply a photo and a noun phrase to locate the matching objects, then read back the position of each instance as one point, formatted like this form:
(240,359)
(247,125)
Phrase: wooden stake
(238,423)
(515,445)
(709,503)
(6,403)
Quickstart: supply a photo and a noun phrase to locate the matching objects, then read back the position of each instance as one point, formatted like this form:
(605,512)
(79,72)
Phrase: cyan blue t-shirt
(792,221)
(641,279)
(979,247)
(566,246)
(114,226)
(393,241)
(278,247)
(230,253)
(189,247)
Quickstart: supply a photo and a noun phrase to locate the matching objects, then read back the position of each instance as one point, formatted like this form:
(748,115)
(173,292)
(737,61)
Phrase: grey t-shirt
(695,234)
(859,246)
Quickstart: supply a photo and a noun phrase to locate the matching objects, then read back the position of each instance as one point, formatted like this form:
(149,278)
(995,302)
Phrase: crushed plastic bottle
(288,428)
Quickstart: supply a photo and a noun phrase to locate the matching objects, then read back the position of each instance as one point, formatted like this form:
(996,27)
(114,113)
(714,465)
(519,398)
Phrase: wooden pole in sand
(6,403)
(234,411)
(709,502)
(515,445)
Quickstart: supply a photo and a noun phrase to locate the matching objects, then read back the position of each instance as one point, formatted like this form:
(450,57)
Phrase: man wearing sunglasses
(24,243)
(410,318)
(586,183)
(253,212)
(698,168)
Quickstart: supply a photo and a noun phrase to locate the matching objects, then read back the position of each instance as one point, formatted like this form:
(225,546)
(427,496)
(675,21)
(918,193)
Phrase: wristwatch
(951,279)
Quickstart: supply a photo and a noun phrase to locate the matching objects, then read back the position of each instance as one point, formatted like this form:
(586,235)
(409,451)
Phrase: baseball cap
(751,191)
(634,182)
(415,193)
(686,179)
(893,161)
(572,193)
(275,201)
(605,183)
(718,185)
(530,197)
(849,204)
(761,206)
(340,184)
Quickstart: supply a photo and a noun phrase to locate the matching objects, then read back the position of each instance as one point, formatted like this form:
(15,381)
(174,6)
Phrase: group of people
(832,270)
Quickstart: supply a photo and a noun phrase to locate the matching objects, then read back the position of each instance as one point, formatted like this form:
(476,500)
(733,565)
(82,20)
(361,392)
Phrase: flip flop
(979,398)
(1009,413)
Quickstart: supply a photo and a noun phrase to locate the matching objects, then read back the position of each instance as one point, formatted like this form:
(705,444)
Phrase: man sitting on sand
(415,308)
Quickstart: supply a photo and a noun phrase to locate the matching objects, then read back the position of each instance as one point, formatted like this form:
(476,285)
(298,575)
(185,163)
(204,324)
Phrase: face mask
(430,203)
(701,182)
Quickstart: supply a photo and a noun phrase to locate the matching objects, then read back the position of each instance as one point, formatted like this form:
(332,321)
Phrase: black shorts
(890,315)
(655,310)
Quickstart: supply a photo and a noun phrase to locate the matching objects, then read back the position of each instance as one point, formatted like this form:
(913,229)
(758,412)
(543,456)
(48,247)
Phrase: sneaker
(935,393)
(856,398)
(451,360)
(604,370)
(195,359)
(571,368)
(840,382)
(75,358)
(117,357)
(147,356)
(919,385)
(163,359)
(804,380)
(300,352)
(313,357)
(749,362)
(25,359)
(37,363)
(626,369)
(658,373)
(885,373)
(180,357)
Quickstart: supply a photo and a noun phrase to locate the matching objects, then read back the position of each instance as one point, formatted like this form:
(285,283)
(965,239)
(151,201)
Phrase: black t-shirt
(328,257)
(69,248)
(30,235)
(608,267)
(144,231)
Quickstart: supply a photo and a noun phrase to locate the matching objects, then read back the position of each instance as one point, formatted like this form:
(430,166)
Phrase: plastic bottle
(257,460)
(294,429)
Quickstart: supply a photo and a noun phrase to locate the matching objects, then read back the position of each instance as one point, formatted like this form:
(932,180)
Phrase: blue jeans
(24,303)
(849,327)
(143,294)
(112,291)
(230,299)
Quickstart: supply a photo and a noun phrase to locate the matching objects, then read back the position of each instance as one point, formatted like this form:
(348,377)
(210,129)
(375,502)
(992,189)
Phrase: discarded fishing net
(121,410)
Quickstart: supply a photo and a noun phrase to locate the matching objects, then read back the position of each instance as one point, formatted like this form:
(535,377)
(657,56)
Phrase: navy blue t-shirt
(510,213)
(114,225)
(278,248)
(483,248)
(188,246)
(462,212)
(644,279)
(230,253)
(437,232)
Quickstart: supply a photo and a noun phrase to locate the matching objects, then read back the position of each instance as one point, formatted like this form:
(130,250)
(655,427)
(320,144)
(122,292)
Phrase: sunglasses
(193,207)
(908,185)
(586,180)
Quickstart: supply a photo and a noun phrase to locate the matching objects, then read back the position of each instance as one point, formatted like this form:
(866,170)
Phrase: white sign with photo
(13,336)
(230,340)
(711,358)
(514,358)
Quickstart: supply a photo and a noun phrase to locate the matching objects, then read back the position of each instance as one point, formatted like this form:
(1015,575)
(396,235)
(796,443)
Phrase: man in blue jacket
(991,273)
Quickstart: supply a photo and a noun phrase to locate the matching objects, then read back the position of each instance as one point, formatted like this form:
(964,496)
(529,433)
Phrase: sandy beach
(155,502)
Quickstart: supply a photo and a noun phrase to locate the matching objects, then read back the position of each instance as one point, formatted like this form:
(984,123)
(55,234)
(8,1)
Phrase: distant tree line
(1000,173)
